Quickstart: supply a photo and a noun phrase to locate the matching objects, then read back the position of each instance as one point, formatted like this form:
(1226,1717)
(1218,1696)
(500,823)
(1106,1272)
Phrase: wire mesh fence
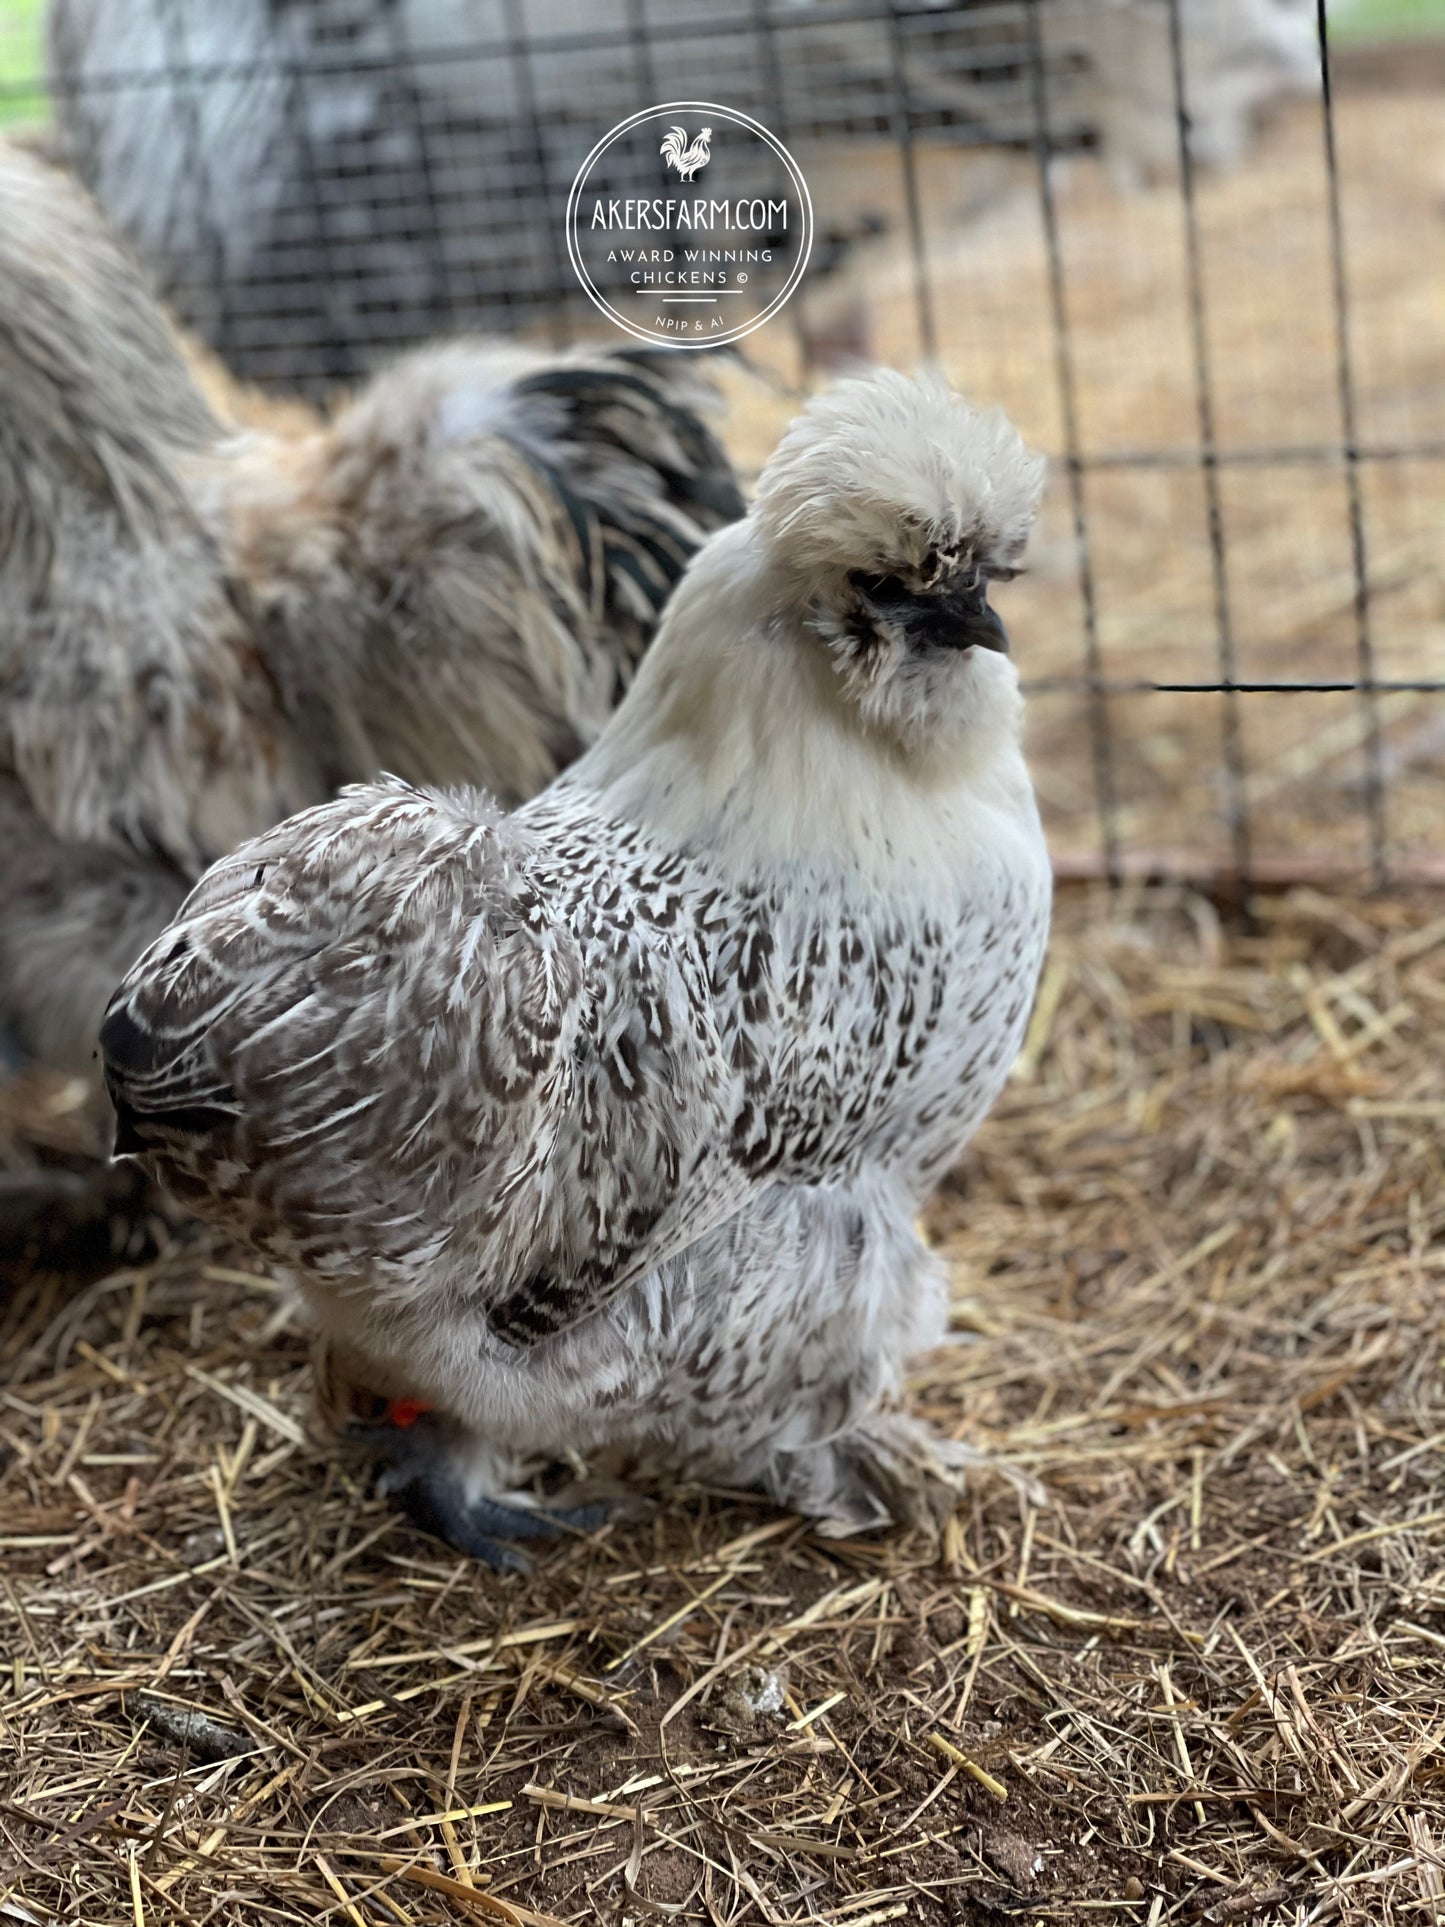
(1201,264)
(324,181)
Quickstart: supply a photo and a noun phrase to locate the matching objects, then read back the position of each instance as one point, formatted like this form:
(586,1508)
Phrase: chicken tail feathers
(623,440)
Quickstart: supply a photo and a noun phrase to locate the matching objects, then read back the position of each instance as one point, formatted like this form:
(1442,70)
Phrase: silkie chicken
(202,632)
(600,1128)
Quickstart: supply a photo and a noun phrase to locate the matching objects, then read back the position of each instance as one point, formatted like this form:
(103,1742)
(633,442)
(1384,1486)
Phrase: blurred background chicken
(202,631)
(400,153)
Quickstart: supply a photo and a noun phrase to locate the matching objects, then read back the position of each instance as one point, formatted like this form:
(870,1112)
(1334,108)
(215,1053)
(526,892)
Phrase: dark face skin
(945,606)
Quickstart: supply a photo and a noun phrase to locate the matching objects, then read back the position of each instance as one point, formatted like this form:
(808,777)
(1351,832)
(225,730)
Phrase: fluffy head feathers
(831,665)
(888,508)
(883,467)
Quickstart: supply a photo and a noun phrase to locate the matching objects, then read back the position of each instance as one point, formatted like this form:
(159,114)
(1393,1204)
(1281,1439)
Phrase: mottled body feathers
(602,1126)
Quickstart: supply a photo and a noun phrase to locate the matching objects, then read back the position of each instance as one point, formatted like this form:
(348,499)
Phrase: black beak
(939,618)
(964,620)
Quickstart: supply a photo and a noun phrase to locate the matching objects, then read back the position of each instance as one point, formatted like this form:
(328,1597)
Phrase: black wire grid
(425,214)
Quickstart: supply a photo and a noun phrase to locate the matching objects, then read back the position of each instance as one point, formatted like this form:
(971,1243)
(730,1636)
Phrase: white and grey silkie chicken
(202,632)
(601,1127)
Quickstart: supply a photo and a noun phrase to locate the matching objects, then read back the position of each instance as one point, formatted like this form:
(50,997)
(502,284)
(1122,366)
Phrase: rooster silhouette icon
(686,159)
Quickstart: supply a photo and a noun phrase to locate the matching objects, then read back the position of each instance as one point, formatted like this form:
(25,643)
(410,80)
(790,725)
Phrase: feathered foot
(424,1475)
(888,1469)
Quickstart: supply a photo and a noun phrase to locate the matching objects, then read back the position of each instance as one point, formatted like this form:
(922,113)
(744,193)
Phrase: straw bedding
(1196,1255)
(1196,1262)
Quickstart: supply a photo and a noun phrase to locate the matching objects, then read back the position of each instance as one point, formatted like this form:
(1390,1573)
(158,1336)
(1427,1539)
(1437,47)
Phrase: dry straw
(1197,1265)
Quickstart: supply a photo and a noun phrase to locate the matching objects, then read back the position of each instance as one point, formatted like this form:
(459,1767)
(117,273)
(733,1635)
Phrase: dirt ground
(1197,1257)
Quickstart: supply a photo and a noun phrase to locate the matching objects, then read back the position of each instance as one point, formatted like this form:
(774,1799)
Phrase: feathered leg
(889,1468)
(807,1311)
(428,1474)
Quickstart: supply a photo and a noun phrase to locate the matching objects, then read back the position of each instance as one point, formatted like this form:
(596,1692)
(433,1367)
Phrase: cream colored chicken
(202,631)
